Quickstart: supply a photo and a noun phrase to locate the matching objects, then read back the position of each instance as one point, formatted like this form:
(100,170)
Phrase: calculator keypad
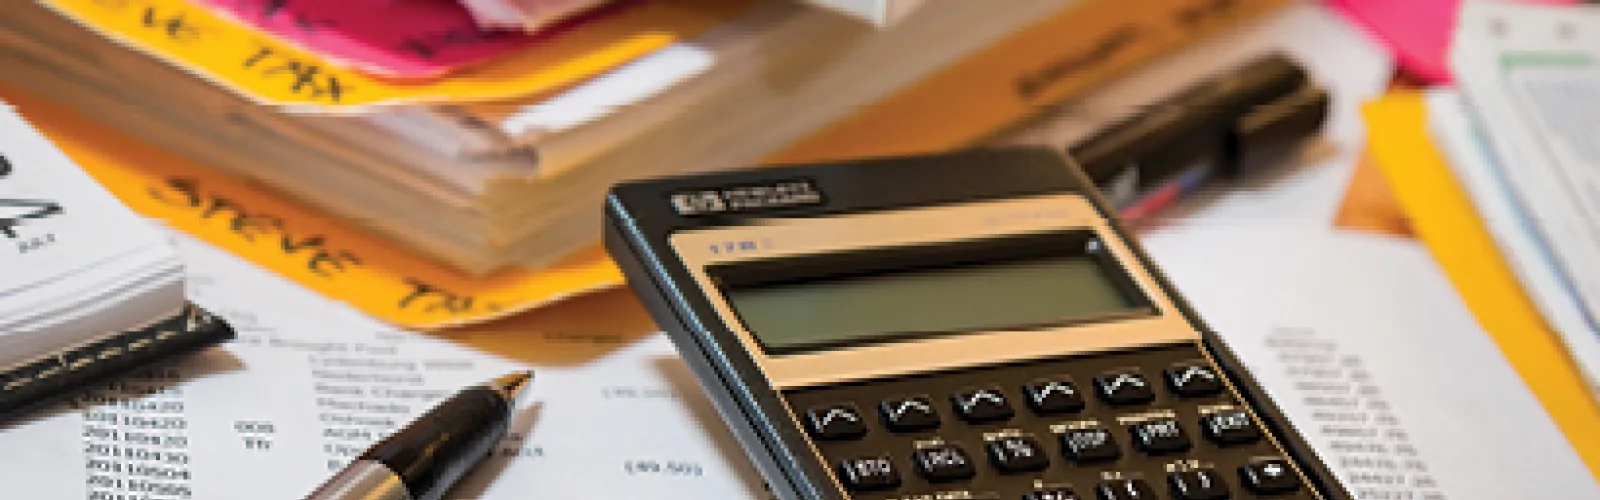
(1089,445)
(1052,494)
(1015,454)
(1126,489)
(944,462)
(835,422)
(1198,484)
(1193,380)
(1156,423)
(982,404)
(1053,395)
(909,414)
(1230,427)
(1269,476)
(869,473)
(1159,436)
(1124,387)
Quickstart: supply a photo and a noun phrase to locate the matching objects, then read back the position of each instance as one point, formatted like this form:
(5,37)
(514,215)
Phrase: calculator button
(1126,489)
(1230,427)
(836,422)
(1018,454)
(914,413)
(1193,380)
(869,473)
(1124,387)
(1051,494)
(1198,484)
(1267,477)
(944,463)
(1053,396)
(1159,436)
(982,405)
(1089,445)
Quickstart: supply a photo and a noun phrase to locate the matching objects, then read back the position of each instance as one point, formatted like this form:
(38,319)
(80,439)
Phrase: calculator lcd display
(906,293)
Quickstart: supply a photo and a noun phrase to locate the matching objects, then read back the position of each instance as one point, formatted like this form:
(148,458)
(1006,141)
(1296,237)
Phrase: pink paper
(392,38)
(1417,31)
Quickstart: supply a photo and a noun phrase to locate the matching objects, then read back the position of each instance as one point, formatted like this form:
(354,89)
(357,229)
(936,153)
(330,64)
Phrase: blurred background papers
(878,12)
(467,190)
(1529,82)
(526,15)
(83,266)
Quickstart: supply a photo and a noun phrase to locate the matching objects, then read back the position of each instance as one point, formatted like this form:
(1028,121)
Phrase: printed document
(1364,343)
(1372,356)
(1531,76)
(1459,136)
(310,383)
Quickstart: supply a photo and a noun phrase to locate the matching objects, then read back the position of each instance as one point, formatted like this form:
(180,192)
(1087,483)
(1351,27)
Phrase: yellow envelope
(266,70)
(320,252)
(1443,217)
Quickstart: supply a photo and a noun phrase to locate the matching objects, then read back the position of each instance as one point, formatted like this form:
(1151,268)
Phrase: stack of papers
(1444,215)
(528,15)
(1521,135)
(77,264)
(877,12)
(488,149)
(360,202)
(1460,137)
(364,120)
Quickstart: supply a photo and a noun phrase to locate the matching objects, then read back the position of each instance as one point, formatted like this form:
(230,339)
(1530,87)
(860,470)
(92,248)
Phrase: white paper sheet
(54,219)
(1460,138)
(1364,343)
(74,263)
(1531,75)
(309,384)
(1371,355)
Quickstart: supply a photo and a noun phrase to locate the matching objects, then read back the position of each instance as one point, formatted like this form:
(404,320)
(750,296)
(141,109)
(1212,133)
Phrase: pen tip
(513,384)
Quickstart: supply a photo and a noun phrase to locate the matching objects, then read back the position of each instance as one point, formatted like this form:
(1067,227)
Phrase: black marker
(1252,117)
(423,460)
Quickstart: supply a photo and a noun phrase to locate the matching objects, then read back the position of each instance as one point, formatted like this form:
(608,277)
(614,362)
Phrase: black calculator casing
(642,216)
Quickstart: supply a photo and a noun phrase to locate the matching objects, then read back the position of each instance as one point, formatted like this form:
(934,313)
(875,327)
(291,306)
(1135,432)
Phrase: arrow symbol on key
(907,405)
(1054,387)
(1126,378)
(838,413)
(970,402)
(1195,371)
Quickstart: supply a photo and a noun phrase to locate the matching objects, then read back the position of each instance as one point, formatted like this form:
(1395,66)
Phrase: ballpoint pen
(423,460)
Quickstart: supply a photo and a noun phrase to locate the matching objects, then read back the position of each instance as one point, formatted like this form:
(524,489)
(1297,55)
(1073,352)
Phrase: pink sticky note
(1418,31)
(392,38)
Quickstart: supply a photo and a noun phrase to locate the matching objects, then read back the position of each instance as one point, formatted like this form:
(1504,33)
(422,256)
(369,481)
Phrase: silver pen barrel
(424,460)
(363,480)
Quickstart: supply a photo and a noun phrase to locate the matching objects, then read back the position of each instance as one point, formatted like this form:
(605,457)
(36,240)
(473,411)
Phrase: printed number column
(1369,444)
(136,442)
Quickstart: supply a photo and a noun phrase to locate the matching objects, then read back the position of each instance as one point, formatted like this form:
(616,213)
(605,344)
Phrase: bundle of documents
(878,12)
(1521,134)
(529,15)
(76,262)
(490,149)
(86,280)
